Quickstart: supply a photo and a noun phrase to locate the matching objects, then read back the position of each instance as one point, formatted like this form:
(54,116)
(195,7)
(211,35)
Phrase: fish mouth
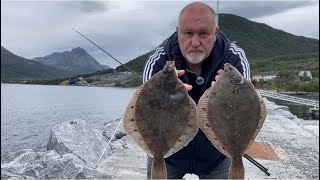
(170,66)
(227,68)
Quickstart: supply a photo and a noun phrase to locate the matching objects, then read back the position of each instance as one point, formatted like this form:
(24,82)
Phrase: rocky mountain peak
(77,60)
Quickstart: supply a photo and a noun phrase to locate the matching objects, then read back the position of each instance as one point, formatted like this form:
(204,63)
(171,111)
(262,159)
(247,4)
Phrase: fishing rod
(217,13)
(262,168)
(108,54)
(96,165)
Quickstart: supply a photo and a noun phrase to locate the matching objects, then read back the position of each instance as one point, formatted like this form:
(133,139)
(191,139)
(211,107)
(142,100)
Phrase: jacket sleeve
(155,63)
(239,60)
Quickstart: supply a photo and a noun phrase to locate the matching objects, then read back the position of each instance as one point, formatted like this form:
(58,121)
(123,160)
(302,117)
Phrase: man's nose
(195,41)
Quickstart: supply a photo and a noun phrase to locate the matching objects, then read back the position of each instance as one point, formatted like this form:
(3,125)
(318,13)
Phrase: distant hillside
(257,39)
(287,68)
(77,61)
(293,63)
(260,40)
(16,68)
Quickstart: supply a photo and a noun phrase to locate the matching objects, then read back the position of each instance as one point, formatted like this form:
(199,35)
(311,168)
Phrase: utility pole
(217,13)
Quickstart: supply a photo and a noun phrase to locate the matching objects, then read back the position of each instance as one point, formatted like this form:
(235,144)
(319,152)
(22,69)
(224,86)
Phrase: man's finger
(217,77)
(212,83)
(180,72)
(220,71)
(188,87)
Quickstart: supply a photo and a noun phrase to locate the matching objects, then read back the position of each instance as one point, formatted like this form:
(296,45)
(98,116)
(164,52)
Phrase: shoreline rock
(73,150)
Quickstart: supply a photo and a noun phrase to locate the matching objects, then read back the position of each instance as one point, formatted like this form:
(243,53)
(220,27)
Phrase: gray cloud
(256,9)
(127,29)
(93,6)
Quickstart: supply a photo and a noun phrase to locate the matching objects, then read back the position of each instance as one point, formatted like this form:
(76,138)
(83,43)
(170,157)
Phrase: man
(199,50)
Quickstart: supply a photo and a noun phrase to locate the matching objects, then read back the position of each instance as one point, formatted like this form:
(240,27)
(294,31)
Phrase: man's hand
(180,73)
(220,71)
(189,87)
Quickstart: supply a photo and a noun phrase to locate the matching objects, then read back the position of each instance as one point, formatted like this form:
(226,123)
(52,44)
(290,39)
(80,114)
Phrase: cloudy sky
(127,28)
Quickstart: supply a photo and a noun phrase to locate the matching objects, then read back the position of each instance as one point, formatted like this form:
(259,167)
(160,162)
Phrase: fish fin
(263,110)
(189,132)
(159,170)
(263,115)
(236,170)
(129,123)
(203,122)
(177,96)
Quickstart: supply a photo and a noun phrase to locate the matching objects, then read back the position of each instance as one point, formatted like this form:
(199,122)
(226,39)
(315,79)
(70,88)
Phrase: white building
(257,77)
(264,77)
(305,74)
(268,77)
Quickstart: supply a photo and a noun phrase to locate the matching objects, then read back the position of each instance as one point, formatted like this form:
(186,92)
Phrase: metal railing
(289,98)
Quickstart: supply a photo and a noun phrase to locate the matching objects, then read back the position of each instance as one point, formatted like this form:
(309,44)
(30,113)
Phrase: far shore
(111,85)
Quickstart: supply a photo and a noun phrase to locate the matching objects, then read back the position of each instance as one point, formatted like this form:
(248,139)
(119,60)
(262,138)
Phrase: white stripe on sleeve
(244,62)
(147,72)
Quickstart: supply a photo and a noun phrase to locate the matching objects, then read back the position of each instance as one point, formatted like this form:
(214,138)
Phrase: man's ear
(177,28)
(217,30)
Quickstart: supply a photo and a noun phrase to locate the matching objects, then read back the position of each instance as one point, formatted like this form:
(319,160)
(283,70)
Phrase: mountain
(16,68)
(105,66)
(77,61)
(258,40)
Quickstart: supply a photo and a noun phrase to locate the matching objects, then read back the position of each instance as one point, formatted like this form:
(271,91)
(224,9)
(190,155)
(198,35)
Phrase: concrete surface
(295,141)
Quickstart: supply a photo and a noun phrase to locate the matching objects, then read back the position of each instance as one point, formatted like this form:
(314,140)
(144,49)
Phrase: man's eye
(188,33)
(204,34)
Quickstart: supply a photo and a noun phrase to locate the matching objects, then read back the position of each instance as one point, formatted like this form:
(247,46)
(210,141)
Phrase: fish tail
(236,170)
(159,170)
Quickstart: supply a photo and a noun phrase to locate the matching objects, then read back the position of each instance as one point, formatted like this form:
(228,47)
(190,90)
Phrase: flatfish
(161,117)
(231,114)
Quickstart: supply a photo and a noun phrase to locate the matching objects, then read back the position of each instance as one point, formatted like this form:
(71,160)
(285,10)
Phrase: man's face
(196,34)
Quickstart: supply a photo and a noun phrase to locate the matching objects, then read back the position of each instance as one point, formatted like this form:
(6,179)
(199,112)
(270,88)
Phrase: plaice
(161,117)
(231,114)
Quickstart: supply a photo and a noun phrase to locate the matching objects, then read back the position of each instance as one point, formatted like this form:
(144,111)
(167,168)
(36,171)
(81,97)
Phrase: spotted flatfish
(231,114)
(161,117)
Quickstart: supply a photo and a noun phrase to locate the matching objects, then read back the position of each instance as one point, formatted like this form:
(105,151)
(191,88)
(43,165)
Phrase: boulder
(110,127)
(28,164)
(78,138)
(117,141)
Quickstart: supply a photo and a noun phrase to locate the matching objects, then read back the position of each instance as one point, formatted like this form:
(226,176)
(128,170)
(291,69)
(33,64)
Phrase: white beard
(195,58)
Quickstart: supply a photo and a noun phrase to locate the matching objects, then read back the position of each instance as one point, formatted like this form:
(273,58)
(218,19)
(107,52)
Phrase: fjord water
(28,112)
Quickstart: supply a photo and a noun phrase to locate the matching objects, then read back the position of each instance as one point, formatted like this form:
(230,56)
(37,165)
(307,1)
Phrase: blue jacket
(199,156)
